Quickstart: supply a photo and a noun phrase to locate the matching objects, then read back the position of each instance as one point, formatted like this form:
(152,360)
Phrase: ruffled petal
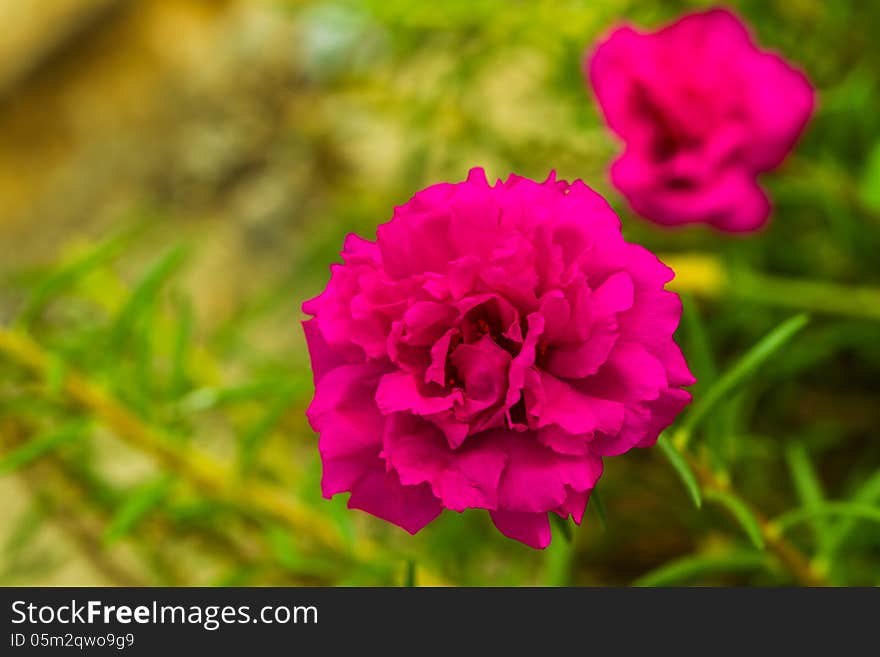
(349,424)
(535,478)
(462,478)
(381,494)
(533,529)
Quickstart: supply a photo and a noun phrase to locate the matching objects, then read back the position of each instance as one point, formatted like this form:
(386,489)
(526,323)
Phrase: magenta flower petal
(349,423)
(560,403)
(324,358)
(536,478)
(461,478)
(487,351)
(533,529)
(702,111)
(381,494)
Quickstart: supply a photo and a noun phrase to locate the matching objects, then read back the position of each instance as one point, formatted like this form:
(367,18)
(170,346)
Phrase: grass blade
(42,444)
(179,375)
(741,513)
(689,568)
(409,577)
(868,493)
(558,559)
(743,369)
(562,525)
(68,275)
(599,507)
(854,510)
(808,488)
(138,505)
(145,293)
(682,469)
(208,398)
(699,349)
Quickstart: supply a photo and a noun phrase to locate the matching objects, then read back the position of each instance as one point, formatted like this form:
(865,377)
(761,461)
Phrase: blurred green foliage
(168,445)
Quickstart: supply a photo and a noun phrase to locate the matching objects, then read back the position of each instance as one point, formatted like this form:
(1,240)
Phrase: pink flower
(702,111)
(487,351)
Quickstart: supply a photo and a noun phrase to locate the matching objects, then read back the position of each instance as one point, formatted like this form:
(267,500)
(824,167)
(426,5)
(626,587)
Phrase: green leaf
(699,348)
(145,293)
(867,493)
(55,375)
(741,513)
(599,507)
(852,510)
(689,568)
(682,469)
(558,556)
(41,445)
(181,347)
(137,506)
(745,367)
(869,187)
(561,524)
(409,578)
(808,488)
(68,275)
(207,398)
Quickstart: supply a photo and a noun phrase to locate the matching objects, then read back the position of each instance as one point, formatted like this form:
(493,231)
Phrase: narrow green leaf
(745,367)
(68,275)
(689,568)
(852,510)
(808,488)
(137,506)
(145,292)
(599,507)
(558,561)
(867,493)
(741,513)
(181,347)
(55,375)
(869,185)
(41,445)
(699,349)
(562,525)
(409,578)
(682,469)
(203,399)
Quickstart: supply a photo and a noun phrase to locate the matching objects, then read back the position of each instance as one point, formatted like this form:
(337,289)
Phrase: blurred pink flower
(486,351)
(702,111)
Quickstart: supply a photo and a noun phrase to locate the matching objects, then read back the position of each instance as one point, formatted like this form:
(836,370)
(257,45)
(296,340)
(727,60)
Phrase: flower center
(475,325)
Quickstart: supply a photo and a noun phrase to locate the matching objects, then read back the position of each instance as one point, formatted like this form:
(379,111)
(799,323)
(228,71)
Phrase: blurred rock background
(123,106)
